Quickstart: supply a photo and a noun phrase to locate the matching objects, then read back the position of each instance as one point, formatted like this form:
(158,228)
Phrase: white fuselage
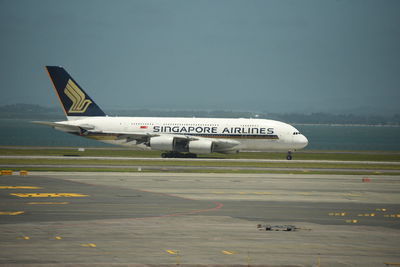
(175,136)
(243,134)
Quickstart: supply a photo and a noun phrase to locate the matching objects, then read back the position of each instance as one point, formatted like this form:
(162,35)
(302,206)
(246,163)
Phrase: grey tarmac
(193,168)
(201,159)
(169,219)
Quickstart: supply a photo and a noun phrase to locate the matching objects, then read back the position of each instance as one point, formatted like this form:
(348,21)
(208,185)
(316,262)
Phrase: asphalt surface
(154,219)
(378,166)
(202,159)
(189,168)
(96,202)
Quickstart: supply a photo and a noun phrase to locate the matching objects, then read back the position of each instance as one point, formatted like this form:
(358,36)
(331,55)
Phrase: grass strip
(301,155)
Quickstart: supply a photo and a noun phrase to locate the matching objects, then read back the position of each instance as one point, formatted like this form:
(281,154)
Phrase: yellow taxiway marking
(381,210)
(392,215)
(367,215)
(11,212)
(176,253)
(337,214)
(305,193)
(58,237)
(20,187)
(49,195)
(351,221)
(47,203)
(24,237)
(89,245)
(227,252)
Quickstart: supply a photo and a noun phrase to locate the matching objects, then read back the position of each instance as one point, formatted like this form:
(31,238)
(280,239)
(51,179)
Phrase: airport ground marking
(227,252)
(351,221)
(304,193)
(47,203)
(176,253)
(318,262)
(391,215)
(89,245)
(24,237)
(20,187)
(172,252)
(58,237)
(6,172)
(48,195)
(367,215)
(11,212)
(342,214)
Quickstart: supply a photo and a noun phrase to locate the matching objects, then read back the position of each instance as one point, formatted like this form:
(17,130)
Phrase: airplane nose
(300,141)
(303,141)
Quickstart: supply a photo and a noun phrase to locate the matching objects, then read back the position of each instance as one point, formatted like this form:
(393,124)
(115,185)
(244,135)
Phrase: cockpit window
(296,133)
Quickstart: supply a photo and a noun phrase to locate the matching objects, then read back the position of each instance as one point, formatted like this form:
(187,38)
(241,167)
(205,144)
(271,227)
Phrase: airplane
(175,137)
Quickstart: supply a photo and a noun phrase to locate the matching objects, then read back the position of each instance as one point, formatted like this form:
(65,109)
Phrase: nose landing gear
(289,155)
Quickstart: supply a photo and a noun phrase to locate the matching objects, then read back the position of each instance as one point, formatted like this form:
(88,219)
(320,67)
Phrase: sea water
(16,132)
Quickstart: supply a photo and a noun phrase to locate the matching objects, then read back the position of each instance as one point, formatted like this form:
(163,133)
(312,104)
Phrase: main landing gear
(172,154)
(289,155)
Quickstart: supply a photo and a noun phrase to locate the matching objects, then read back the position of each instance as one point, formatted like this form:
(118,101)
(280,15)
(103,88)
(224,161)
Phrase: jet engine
(201,147)
(171,143)
(168,143)
(165,143)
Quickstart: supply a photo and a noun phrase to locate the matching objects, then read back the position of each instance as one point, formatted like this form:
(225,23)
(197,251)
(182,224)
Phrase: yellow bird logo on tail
(79,102)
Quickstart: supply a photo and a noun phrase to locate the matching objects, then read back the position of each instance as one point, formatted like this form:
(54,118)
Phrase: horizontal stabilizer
(65,127)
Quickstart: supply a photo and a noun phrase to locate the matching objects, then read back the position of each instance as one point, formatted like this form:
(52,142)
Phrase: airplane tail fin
(74,101)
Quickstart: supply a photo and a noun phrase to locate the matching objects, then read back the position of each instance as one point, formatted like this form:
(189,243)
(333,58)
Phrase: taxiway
(153,219)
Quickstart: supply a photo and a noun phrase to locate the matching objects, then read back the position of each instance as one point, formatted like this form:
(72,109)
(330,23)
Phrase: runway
(148,219)
(179,168)
(199,164)
(200,159)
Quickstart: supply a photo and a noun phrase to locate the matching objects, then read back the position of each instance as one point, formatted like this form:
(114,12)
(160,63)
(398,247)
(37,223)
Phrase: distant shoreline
(37,112)
(290,122)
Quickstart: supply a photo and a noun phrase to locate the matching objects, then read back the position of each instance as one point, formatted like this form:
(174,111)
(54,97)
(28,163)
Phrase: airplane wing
(138,136)
(219,143)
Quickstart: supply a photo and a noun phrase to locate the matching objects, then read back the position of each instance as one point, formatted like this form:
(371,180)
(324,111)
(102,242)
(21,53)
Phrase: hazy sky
(250,55)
